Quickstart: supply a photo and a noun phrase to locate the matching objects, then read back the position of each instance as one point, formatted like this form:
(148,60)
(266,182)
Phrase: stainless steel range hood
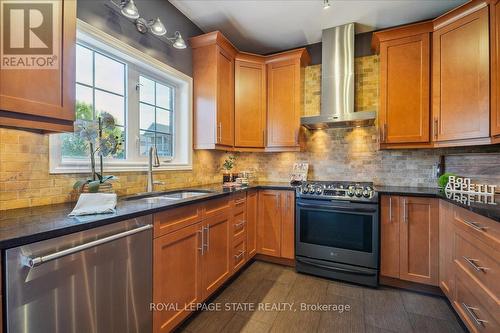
(337,83)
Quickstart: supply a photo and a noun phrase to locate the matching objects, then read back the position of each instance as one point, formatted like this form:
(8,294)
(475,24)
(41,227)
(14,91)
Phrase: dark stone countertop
(491,211)
(27,225)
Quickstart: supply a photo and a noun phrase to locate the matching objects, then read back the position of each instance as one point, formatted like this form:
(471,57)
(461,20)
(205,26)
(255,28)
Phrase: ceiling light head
(157,27)
(179,42)
(326,4)
(129,9)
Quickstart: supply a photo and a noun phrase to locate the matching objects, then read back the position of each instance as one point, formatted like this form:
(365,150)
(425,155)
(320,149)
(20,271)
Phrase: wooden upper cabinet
(419,230)
(213,87)
(495,70)
(389,236)
(250,101)
(461,75)
(176,275)
(269,223)
(44,99)
(404,84)
(285,97)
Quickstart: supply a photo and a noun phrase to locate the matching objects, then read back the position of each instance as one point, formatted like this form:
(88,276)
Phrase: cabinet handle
(385,132)
(475,225)
(405,211)
(472,262)
(435,128)
(279,201)
(470,312)
(208,236)
(296,137)
(240,225)
(263,138)
(390,209)
(219,133)
(202,248)
(238,256)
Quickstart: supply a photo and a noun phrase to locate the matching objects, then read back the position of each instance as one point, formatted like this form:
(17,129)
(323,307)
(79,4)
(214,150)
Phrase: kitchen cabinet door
(460,83)
(213,91)
(285,97)
(288,225)
(218,247)
(405,89)
(44,99)
(419,230)
(389,236)
(446,246)
(176,275)
(252,212)
(269,223)
(250,103)
(225,98)
(495,69)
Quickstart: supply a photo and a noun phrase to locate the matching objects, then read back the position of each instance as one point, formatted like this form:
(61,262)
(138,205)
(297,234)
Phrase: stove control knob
(358,192)
(304,190)
(368,192)
(350,191)
(319,190)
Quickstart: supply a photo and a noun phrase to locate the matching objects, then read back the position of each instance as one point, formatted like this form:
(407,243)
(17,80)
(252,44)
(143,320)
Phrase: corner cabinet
(404,109)
(409,238)
(461,76)
(44,99)
(285,98)
(250,101)
(213,87)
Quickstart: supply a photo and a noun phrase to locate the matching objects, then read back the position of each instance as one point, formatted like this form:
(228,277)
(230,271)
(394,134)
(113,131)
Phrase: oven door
(343,232)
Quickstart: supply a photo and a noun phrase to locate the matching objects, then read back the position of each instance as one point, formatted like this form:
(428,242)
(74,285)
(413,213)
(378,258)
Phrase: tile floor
(371,310)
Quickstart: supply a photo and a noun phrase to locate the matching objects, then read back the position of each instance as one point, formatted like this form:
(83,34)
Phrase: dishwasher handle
(36,261)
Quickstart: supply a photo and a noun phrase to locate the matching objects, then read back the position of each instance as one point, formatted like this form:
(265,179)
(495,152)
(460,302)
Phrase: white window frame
(155,69)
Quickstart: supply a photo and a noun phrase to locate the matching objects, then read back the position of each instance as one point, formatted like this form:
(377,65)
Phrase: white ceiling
(265,26)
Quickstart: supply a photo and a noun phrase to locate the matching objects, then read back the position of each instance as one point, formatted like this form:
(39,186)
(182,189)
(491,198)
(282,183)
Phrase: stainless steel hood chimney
(337,83)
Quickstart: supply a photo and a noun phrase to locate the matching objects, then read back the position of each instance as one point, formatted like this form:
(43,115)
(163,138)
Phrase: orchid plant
(102,141)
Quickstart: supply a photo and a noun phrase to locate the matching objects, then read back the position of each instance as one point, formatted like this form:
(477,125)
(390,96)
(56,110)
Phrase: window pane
(164,144)
(147,90)
(163,121)
(163,94)
(74,147)
(120,132)
(147,117)
(146,141)
(112,104)
(84,103)
(109,74)
(84,66)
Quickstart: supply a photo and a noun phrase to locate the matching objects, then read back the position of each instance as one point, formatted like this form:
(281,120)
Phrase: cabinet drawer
(479,260)
(239,254)
(487,230)
(477,310)
(240,200)
(239,224)
(175,219)
(217,206)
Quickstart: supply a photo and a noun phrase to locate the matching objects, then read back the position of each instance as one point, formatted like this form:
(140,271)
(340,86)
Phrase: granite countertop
(27,225)
(491,211)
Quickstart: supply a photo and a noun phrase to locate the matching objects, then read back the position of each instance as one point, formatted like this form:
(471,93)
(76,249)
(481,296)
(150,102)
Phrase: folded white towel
(95,203)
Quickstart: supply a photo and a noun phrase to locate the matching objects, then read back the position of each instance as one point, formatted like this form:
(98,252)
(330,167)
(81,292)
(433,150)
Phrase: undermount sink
(159,197)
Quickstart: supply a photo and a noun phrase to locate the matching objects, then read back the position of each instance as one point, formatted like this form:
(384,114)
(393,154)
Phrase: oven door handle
(338,269)
(339,208)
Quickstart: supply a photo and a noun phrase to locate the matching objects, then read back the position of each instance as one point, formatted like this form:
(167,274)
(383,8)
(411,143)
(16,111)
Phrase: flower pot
(103,188)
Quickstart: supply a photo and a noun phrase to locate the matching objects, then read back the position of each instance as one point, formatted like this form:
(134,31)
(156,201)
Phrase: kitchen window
(150,101)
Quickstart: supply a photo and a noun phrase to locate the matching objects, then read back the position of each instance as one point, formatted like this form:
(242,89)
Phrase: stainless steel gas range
(337,231)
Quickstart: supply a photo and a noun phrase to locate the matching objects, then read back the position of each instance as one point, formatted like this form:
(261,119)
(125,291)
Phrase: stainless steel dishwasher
(97,280)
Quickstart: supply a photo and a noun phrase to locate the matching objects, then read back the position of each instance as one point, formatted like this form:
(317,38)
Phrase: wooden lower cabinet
(216,263)
(409,238)
(288,225)
(389,229)
(176,275)
(252,212)
(446,246)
